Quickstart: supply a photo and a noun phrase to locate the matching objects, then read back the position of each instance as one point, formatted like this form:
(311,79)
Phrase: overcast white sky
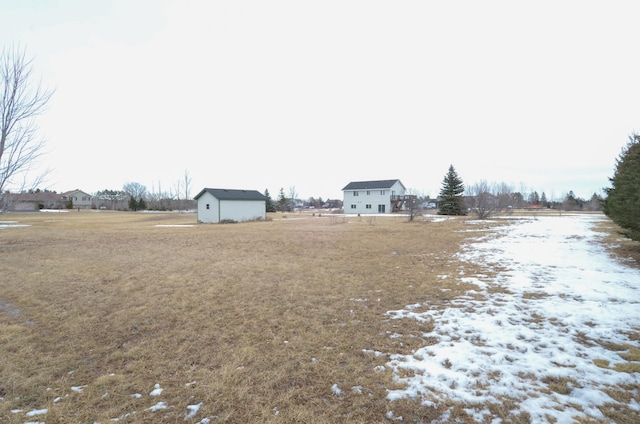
(279,94)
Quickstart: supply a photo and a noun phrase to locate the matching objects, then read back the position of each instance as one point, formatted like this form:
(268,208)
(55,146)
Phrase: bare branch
(21,101)
(485,199)
(187,185)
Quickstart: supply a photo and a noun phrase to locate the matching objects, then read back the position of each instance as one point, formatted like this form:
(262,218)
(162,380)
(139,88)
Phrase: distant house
(34,201)
(217,204)
(429,204)
(37,200)
(371,197)
(332,204)
(78,198)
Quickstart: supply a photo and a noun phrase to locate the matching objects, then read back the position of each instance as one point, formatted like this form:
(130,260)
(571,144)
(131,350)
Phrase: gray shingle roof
(229,194)
(371,185)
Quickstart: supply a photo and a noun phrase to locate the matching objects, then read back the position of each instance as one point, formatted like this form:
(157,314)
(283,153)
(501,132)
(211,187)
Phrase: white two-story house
(368,197)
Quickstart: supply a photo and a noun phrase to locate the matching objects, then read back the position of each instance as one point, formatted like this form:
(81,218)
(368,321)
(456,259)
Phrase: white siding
(210,214)
(371,201)
(236,210)
(242,210)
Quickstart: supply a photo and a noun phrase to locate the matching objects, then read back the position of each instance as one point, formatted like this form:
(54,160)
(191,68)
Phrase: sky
(309,96)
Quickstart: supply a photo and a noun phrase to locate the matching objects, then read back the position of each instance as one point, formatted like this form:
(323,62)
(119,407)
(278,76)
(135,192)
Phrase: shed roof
(371,185)
(229,194)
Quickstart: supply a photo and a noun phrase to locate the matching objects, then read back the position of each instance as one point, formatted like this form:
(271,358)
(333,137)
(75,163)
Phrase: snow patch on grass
(540,342)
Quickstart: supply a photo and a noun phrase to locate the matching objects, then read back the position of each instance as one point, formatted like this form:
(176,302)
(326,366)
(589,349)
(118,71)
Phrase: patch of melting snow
(193,410)
(565,298)
(35,412)
(158,406)
(336,390)
(12,224)
(441,218)
(157,390)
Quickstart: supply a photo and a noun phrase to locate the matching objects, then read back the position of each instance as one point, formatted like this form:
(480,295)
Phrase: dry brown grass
(255,320)
(625,248)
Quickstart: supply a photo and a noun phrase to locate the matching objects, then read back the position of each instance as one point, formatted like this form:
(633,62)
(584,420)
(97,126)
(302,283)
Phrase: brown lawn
(257,321)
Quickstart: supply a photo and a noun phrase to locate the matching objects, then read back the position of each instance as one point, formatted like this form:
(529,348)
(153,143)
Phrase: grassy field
(251,322)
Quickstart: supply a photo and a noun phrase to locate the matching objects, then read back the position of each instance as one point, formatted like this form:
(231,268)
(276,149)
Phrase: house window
(368,192)
(353,206)
(368,206)
(355,193)
(207,206)
(382,192)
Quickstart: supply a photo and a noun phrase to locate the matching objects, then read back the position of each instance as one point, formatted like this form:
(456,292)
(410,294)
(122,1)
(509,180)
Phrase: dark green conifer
(133,203)
(622,204)
(270,206)
(451,194)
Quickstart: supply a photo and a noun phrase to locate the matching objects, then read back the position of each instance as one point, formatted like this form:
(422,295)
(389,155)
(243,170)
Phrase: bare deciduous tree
(181,199)
(186,184)
(292,197)
(23,99)
(485,199)
(178,190)
(136,190)
(412,204)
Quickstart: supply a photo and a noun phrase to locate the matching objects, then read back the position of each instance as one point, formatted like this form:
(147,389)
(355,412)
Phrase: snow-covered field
(565,300)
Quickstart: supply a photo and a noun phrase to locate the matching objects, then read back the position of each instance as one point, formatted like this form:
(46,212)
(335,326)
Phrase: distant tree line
(485,199)
(135,197)
(288,203)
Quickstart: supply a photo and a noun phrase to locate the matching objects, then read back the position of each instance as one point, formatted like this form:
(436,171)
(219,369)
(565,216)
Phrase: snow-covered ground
(565,299)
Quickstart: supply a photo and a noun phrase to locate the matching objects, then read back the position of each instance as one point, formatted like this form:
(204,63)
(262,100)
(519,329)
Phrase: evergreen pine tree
(282,201)
(142,205)
(270,206)
(451,194)
(534,198)
(133,204)
(572,203)
(622,204)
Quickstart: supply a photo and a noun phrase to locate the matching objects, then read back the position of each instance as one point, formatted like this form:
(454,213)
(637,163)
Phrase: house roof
(371,185)
(70,192)
(229,194)
(34,197)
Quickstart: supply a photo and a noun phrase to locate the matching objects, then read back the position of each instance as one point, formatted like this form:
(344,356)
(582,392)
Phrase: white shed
(217,204)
